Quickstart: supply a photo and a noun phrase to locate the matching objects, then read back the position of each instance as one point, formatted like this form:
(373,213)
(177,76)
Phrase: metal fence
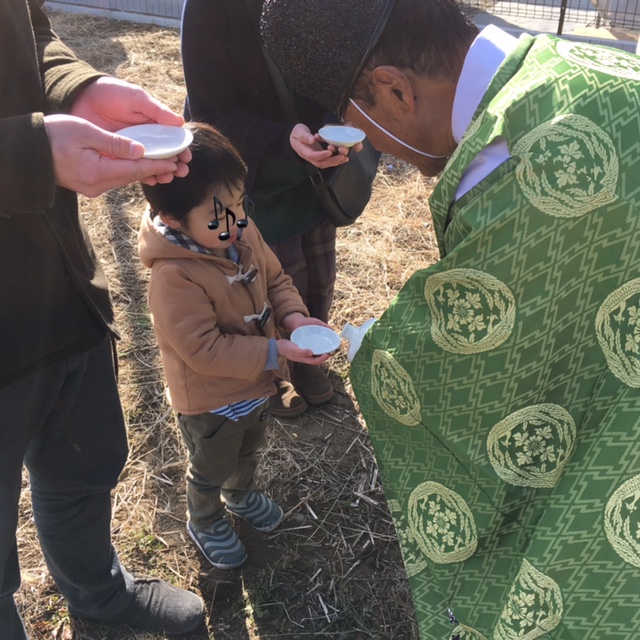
(162,12)
(555,16)
(607,14)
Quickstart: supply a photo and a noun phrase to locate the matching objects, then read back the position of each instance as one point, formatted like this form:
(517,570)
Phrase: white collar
(485,55)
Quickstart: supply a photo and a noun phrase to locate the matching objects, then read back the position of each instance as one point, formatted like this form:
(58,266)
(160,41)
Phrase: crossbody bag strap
(286,97)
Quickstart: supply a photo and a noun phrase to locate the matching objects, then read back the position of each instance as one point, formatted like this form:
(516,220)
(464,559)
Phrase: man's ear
(394,87)
(170,221)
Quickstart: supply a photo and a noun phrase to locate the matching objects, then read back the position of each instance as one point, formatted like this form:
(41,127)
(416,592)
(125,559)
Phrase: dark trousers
(66,424)
(223,456)
(310,259)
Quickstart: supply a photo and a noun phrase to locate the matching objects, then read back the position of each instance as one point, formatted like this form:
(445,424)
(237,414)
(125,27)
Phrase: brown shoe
(312,383)
(286,402)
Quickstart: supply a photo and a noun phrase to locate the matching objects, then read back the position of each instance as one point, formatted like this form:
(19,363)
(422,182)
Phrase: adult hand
(308,147)
(358,147)
(114,104)
(90,160)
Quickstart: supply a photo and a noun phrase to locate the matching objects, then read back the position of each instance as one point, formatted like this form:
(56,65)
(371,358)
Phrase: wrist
(292,320)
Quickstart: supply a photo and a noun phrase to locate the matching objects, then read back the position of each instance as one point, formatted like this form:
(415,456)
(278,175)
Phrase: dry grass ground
(333,569)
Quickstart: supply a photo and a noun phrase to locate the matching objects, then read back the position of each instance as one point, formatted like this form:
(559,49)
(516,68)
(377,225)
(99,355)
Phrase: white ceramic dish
(341,136)
(319,339)
(160,141)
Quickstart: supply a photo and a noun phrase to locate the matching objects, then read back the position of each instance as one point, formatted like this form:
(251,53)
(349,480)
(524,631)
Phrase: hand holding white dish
(317,338)
(341,135)
(160,141)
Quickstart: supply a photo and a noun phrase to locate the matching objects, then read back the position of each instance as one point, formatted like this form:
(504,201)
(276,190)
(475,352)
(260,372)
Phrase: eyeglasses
(220,209)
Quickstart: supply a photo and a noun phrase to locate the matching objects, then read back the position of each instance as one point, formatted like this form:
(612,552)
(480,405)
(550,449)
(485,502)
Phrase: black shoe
(159,607)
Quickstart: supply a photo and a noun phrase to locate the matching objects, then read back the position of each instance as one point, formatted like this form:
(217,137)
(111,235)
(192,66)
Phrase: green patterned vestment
(501,387)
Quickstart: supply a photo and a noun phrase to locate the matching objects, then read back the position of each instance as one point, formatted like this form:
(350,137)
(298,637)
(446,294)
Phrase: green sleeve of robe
(501,387)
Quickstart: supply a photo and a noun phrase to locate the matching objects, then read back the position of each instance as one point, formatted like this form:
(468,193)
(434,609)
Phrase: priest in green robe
(501,386)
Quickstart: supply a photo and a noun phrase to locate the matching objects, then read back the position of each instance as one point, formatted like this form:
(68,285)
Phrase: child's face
(200,217)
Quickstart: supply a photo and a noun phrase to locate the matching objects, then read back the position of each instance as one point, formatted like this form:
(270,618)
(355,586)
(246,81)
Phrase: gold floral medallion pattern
(393,389)
(467,633)
(622,521)
(471,311)
(613,62)
(530,447)
(534,606)
(618,332)
(413,559)
(441,523)
(568,166)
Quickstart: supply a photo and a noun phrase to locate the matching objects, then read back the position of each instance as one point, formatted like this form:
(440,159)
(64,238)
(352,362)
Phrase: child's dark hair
(215,162)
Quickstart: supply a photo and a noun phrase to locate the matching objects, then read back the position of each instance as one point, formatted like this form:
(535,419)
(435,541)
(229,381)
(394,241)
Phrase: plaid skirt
(310,259)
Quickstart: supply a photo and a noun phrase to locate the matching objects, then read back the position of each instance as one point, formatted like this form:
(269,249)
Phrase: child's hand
(291,351)
(294,320)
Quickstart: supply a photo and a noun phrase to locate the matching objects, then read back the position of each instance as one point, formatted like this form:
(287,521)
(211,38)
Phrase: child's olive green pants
(223,455)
